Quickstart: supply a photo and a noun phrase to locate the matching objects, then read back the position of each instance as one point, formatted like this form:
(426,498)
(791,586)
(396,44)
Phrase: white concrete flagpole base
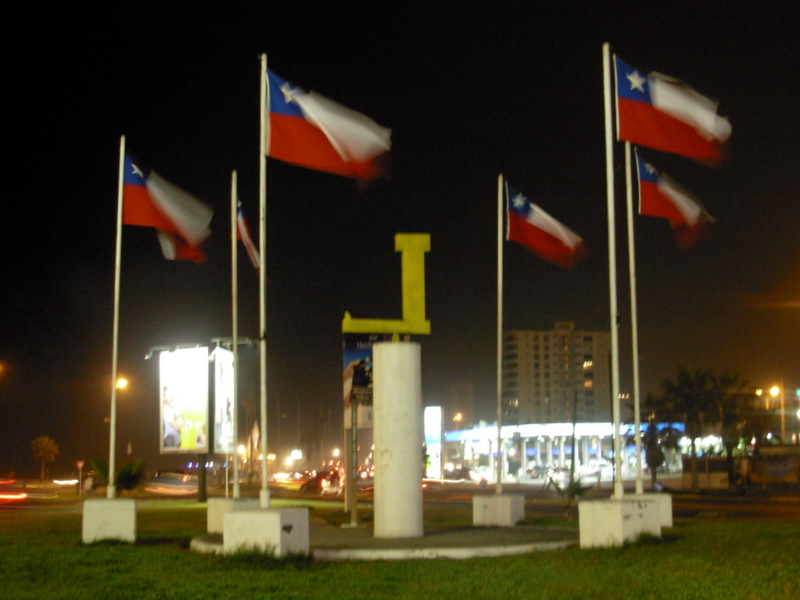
(498,510)
(219,507)
(109,519)
(612,522)
(398,432)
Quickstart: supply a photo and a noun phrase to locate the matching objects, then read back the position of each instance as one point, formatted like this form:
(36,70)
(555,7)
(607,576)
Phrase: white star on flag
(637,81)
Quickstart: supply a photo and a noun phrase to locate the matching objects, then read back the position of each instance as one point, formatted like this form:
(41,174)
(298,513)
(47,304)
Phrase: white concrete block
(663,503)
(281,531)
(504,510)
(219,507)
(109,519)
(612,522)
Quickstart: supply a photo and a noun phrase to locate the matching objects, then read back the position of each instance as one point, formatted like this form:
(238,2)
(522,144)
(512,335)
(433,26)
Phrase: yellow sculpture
(413,247)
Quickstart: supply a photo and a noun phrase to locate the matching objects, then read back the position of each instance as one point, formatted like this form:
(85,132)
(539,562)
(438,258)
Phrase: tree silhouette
(690,396)
(45,450)
(729,397)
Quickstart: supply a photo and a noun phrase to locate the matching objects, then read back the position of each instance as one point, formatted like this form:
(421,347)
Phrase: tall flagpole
(112,488)
(262,275)
(499,460)
(637,415)
(235,333)
(612,270)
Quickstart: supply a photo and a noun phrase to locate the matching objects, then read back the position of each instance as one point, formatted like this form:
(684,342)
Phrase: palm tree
(659,409)
(45,450)
(729,397)
(690,396)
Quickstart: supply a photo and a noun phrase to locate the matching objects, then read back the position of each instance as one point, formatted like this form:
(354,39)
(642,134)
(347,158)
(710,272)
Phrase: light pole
(775,391)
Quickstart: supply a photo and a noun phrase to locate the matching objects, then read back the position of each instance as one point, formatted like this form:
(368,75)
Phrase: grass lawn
(41,556)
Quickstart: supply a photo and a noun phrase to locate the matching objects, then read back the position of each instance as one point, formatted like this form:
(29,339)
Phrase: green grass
(41,556)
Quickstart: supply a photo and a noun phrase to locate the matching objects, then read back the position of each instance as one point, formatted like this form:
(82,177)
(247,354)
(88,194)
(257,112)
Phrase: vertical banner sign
(223,401)
(184,401)
(433,441)
(357,376)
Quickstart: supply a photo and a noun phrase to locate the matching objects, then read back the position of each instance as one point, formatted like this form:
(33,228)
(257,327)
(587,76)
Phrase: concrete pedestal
(219,507)
(504,510)
(663,504)
(281,531)
(612,522)
(109,519)
(398,432)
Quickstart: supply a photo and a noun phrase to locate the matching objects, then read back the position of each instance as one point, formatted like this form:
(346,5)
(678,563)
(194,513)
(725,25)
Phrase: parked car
(597,467)
(536,471)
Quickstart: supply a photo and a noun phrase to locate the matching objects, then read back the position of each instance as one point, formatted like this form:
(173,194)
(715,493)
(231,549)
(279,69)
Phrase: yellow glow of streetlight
(122,383)
(774,391)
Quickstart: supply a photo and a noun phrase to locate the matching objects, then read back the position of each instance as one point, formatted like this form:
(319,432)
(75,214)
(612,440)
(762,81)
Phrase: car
(465,473)
(597,467)
(324,483)
(536,471)
(172,484)
(12,491)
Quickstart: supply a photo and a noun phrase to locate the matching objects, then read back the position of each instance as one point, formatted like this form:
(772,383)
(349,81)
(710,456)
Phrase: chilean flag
(665,114)
(149,200)
(540,233)
(243,234)
(661,196)
(309,130)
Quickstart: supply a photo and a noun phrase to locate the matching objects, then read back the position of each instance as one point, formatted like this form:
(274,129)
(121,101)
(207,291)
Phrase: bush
(130,475)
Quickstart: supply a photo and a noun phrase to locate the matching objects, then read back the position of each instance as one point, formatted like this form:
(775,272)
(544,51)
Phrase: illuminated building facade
(549,375)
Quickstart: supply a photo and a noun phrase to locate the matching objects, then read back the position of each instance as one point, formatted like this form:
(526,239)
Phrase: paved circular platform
(331,543)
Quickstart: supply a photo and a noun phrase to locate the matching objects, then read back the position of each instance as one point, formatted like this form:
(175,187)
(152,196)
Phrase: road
(774,504)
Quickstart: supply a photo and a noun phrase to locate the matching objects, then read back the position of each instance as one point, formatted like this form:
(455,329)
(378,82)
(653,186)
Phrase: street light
(774,391)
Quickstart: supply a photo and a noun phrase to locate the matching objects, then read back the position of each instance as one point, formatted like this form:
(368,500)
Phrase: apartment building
(553,376)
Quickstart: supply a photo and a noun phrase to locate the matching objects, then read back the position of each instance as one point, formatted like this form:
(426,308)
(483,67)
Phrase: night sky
(516,90)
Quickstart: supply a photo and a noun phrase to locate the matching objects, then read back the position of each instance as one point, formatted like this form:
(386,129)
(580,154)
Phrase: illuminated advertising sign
(357,376)
(223,401)
(433,441)
(184,401)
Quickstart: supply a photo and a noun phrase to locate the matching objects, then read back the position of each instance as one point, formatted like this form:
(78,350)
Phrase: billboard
(224,442)
(184,401)
(357,376)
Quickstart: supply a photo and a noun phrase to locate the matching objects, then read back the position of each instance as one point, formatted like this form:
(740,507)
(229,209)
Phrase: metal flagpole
(637,414)
(612,270)
(235,332)
(262,275)
(112,488)
(499,459)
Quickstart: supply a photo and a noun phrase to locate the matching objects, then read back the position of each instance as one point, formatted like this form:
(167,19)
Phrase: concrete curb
(332,555)
(212,544)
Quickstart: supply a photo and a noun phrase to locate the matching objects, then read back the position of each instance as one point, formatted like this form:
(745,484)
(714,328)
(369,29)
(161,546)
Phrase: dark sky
(468,95)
